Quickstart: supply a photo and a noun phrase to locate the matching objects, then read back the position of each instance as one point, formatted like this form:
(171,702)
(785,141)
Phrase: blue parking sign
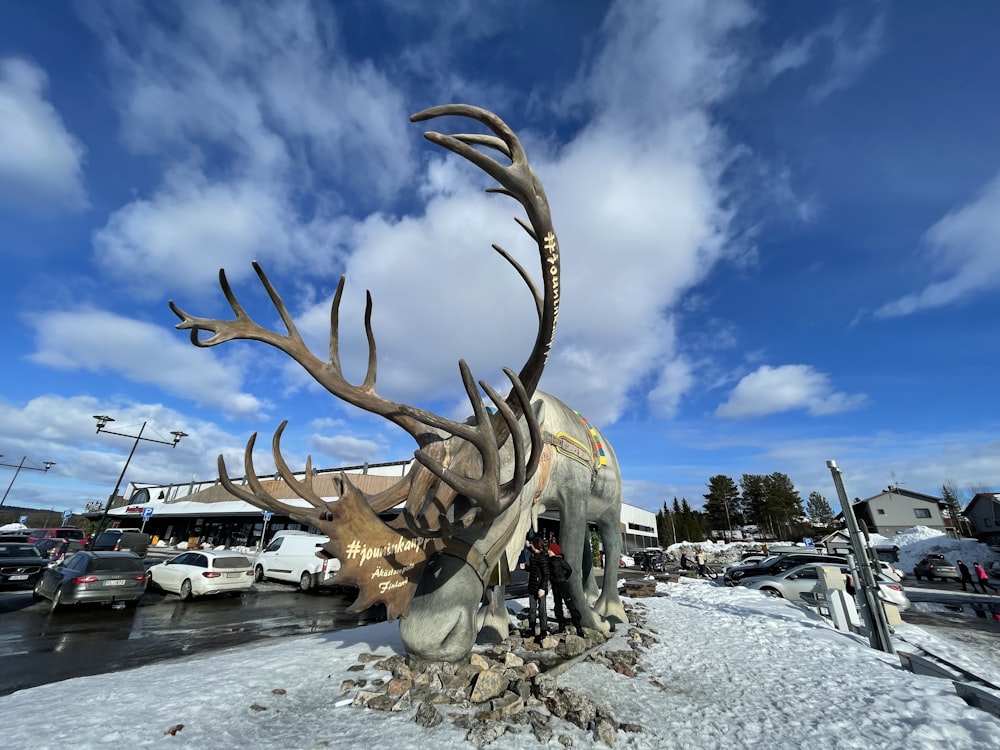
(808,542)
(147,512)
(267,515)
(67,514)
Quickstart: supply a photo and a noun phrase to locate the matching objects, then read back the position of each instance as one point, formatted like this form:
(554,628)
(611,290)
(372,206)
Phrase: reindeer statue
(475,487)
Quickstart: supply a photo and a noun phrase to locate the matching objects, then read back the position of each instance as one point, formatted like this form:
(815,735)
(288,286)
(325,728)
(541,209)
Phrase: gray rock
(489,684)
(427,716)
(484,733)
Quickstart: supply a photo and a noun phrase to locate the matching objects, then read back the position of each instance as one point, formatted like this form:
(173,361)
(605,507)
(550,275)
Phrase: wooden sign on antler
(384,563)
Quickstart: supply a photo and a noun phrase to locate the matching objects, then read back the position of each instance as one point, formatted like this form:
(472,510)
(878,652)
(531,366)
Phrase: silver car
(804,579)
(102,577)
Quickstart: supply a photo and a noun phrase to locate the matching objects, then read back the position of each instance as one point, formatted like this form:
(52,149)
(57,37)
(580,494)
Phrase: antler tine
(524,276)
(479,433)
(257,495)
(303,489)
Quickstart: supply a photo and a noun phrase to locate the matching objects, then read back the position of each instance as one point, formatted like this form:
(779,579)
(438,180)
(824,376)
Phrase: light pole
(102,421)
(46,464)
(871,606)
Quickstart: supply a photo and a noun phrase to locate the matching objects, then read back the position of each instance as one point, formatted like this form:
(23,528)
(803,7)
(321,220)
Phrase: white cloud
(100,341)
(965,244)
(344,450)
(270,85)
(41,162)
(850,52)
(675,380)
(772,390)
(188,230)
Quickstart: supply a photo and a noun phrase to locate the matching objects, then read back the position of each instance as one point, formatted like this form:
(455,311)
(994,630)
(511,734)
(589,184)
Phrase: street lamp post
(46,464)
(102,421)
(872,610)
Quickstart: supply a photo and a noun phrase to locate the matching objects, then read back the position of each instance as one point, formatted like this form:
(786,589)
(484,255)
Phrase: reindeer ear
(538,407)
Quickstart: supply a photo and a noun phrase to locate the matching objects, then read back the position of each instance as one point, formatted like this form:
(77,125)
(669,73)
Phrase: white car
(201,572)
(891,571)
(626,561)
(804,579)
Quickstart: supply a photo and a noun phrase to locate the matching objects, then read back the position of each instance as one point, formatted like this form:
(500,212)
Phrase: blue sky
(779,226)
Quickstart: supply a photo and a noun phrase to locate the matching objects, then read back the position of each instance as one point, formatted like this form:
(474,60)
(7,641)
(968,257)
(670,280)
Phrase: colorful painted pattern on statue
(600,457)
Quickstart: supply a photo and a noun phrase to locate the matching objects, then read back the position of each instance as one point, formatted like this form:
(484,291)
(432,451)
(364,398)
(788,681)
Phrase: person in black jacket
(538,588)
(559,573)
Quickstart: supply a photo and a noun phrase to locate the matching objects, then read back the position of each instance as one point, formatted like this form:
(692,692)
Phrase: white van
(291,558)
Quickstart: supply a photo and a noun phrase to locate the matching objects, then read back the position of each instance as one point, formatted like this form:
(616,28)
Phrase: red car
(62,532)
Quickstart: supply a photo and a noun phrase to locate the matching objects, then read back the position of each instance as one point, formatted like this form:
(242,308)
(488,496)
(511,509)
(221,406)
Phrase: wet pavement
(38,647)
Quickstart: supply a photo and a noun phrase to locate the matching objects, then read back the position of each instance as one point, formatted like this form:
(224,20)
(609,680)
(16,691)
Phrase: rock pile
(504,687)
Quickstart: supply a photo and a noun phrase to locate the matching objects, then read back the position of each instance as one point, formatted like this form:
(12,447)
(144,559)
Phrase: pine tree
(949,493)
(819,511)
(754,503)
(721,508)
(784,506)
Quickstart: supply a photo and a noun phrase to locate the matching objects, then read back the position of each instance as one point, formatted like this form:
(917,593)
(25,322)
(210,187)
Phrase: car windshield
(19,550)
(232,562)
(116,565)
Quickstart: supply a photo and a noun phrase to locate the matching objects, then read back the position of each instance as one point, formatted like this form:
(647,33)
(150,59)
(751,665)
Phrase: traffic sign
(147,512)
(268,514)
(67,514)
(808,542)
(24,519)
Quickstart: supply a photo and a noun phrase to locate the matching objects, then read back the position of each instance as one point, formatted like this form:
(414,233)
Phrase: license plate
(18,578)
(115,583)
(233,575)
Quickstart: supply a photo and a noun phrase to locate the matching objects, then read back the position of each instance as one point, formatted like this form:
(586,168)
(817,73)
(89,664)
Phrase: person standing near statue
(963,570)
(984,577)
(559,573)
(538,589)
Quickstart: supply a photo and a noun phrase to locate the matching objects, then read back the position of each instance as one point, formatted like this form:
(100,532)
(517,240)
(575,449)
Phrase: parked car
(202,572)
(891,571)
(60,532)
(291,558)
(101,577)
(54,549)
(750,559)
(935,566)
(791,584)
(122,540)
(21,565)
(653,559)
(626,561)
(777,564)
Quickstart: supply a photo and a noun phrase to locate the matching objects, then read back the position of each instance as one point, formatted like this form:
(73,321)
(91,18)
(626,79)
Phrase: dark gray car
(100,577)
(775,564)
(122,540)
(21,564)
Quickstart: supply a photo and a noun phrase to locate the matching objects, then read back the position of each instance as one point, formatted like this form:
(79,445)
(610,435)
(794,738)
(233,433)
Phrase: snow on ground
(731,668)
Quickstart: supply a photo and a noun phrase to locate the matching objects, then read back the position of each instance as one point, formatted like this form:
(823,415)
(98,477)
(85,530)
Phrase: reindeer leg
(609,604)
(573,523)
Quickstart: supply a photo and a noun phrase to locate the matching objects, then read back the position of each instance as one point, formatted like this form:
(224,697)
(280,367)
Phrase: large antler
(473,470)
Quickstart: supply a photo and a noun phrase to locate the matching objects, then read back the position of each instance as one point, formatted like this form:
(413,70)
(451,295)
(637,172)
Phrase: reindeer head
(454,494)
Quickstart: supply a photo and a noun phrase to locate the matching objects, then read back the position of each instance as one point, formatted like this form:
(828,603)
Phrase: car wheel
(56,601)
(185,592)
(258,574)
(306,581)
(772,592)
